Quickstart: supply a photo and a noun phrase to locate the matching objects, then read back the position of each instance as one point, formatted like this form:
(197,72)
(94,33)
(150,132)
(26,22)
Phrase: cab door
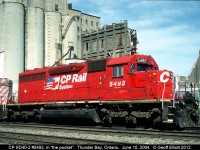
(117,86)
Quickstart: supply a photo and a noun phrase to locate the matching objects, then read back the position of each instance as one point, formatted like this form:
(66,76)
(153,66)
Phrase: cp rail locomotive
(130,87)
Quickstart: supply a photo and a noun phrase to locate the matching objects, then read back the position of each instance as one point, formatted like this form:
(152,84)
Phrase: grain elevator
(37,33)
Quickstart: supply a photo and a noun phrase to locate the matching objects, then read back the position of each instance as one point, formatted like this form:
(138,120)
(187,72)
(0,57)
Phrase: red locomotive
(130,87)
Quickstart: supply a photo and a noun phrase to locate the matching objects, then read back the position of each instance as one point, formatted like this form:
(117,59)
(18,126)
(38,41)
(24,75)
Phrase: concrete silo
(53,45)
(56,5)
(1,40)
(34,41)
(36,3)
(14,1)
(1,64)
(12,39)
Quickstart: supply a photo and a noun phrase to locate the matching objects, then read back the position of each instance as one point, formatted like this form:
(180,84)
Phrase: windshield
(143,67)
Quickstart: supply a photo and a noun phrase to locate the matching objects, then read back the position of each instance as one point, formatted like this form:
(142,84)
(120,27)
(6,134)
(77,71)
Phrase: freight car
(5,95)
(130,87)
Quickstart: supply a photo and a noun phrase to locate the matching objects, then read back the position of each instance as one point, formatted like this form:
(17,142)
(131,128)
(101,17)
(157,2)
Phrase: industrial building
(37,33)
(193,79)
(194,75)
(110,41)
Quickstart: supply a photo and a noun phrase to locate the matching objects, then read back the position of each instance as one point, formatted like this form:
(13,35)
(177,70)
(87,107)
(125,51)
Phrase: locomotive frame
(130,87)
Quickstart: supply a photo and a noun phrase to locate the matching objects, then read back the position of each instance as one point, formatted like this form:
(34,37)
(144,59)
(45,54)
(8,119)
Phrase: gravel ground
(127,139)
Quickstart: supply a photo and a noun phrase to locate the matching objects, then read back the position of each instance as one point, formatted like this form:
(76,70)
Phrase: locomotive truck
(131,88)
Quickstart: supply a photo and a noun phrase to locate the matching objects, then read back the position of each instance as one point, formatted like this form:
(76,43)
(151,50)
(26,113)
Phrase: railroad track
(25,138)
(91,133)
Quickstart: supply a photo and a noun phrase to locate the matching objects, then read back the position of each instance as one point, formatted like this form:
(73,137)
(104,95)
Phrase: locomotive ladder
(170,114)
(169,110)
(177,96)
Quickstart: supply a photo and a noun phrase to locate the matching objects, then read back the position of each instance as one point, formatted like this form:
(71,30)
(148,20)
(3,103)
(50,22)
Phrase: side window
(156,68)
(118,71)
(86,46)
(132,68)
(56,7)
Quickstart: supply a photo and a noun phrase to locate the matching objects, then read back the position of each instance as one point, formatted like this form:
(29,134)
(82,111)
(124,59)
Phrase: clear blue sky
(167,30)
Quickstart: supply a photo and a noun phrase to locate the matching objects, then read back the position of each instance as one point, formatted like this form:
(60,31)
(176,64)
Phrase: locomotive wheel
(38,118)
(131,122)
(25,118)
(179,127)
(157,122)
(107,121)
(13,118)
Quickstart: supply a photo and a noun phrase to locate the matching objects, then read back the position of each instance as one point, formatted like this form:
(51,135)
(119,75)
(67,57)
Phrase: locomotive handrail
(63,97)
(174,97)
(163,96)
(60,97)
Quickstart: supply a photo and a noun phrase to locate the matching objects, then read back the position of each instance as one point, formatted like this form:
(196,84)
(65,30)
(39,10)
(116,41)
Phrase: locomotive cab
(143,90)
(155,81)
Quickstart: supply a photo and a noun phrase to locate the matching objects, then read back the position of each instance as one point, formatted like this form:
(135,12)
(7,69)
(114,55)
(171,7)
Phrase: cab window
(156,68)
(143,67)
(118,71)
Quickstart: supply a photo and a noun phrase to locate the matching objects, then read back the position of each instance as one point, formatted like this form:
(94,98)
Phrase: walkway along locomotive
(128,87)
